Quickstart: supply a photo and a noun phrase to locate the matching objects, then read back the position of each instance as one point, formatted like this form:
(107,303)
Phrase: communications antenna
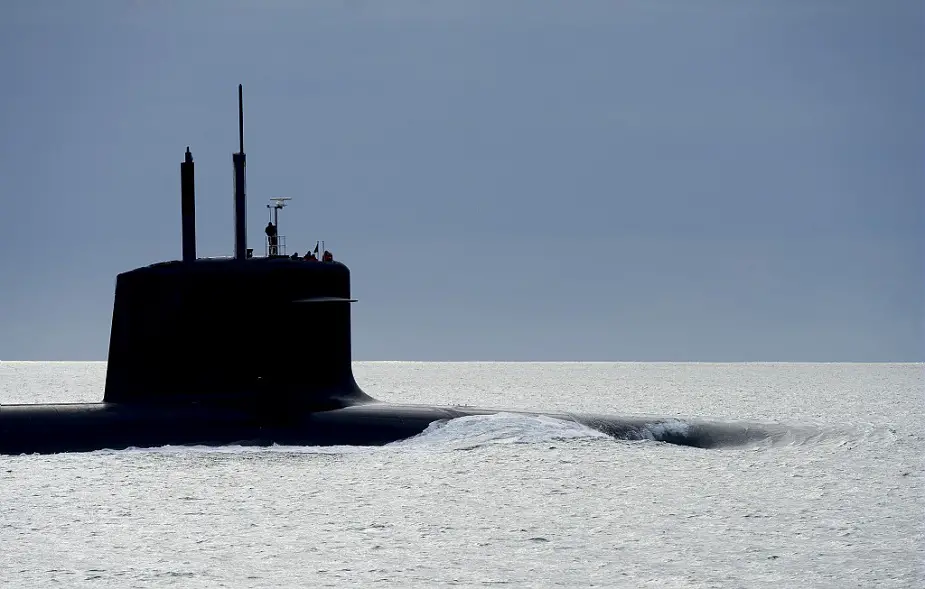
(276,203)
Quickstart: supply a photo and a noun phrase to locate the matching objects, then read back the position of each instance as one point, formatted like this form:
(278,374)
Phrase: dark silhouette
(272,238)
(202,351)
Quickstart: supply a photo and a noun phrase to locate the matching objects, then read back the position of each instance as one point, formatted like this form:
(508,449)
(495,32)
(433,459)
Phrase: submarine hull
(49,429)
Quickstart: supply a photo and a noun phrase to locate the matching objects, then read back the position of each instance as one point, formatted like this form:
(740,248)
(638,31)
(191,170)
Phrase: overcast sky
(617,180)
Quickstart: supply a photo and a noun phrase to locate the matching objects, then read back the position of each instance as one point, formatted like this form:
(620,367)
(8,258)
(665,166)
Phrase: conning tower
(271,332)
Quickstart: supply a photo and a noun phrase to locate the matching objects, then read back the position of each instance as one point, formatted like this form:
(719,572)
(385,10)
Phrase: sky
(622,180)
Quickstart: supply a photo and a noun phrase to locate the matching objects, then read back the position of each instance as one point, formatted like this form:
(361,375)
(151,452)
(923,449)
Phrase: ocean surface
(498,501)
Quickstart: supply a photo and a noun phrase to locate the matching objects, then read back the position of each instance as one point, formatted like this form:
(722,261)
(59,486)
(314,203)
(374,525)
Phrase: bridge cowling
(229,331)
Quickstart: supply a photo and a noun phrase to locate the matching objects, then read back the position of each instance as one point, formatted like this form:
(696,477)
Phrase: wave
(717,433)
(517,428)
(473,431)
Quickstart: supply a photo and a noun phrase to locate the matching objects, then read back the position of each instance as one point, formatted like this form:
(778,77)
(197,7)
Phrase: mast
(240,208)
(188,207)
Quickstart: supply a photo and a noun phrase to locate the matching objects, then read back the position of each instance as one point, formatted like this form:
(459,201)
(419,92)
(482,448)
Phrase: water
(501,500)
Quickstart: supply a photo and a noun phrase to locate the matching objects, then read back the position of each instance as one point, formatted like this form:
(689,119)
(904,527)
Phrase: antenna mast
(188,207)
(240,208)
(241,118)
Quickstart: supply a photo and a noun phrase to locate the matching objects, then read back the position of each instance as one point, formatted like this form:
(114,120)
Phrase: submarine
(194,360)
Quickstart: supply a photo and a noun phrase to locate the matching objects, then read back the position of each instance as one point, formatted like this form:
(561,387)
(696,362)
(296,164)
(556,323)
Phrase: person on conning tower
(271,237)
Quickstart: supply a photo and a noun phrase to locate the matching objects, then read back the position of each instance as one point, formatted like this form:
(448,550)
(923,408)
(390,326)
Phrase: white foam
(500,428)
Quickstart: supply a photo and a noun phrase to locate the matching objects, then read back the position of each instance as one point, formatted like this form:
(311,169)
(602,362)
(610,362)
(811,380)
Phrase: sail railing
(274,246)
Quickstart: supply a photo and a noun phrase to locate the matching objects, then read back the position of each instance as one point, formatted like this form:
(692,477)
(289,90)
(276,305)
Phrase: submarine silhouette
(195,360)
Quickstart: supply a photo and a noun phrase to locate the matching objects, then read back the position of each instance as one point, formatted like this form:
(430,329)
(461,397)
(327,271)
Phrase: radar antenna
(276,203)
(276,244)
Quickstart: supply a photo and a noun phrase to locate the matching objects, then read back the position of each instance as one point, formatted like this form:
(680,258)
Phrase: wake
(474,431)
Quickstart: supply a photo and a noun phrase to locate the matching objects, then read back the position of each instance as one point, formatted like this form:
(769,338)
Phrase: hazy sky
(617,180)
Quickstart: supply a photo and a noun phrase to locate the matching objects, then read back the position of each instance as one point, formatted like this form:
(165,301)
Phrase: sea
(502,500)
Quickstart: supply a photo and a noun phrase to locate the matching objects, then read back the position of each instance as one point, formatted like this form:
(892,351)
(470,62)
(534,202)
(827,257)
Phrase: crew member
(272,240)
